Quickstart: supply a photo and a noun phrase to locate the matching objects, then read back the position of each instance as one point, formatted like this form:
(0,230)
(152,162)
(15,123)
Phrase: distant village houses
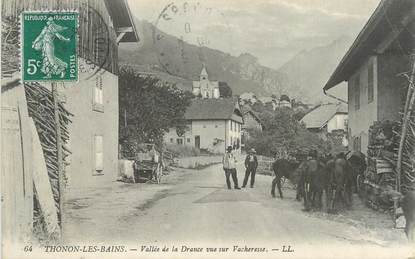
(372,66)
(299,106)
(213,123)
(248,98)
(272,101)
(284,102)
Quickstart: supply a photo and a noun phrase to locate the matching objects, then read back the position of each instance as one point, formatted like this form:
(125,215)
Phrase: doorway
(197,142)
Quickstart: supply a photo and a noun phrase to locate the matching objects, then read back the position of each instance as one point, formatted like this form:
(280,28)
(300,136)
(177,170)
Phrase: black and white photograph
(189,129)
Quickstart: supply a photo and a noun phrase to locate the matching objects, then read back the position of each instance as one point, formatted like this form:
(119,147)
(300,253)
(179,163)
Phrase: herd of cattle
(334,176)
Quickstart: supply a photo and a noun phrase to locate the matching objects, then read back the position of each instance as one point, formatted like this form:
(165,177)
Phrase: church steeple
(205,88)
(203,74)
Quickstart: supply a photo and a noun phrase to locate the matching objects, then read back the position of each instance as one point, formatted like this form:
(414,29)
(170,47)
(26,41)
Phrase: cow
(283,167)
(340,180)
(313,181)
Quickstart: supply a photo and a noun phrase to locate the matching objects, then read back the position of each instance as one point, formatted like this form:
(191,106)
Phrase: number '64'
(32,65)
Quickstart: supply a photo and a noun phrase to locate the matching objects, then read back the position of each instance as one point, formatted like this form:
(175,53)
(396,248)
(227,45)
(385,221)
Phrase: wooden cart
(148,165)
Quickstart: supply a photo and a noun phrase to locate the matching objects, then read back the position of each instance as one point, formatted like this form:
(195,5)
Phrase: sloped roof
(122,19)
(319,117)
(285,97)
(214,109)
(389,19)
(204,71)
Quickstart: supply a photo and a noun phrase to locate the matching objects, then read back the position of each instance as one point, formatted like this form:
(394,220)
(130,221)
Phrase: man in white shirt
(229,166)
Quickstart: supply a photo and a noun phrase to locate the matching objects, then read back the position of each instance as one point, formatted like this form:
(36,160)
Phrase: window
(171,140)
(370,75)
(180,141)
(98,102)
(357,93)
(188,140)
(99,153)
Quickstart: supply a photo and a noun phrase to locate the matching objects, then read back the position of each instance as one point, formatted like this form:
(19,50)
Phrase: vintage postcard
(207,129)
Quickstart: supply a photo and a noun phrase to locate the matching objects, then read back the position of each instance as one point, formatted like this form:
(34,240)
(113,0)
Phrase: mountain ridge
(243,73)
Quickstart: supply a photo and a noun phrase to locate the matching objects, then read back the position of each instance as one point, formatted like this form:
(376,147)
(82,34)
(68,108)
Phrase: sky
(272,30)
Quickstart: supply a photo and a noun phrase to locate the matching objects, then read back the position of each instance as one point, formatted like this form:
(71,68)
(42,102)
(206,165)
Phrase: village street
(194,207)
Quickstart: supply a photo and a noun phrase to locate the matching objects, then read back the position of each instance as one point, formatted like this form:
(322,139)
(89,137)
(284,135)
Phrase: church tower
(205,88)
(204,75)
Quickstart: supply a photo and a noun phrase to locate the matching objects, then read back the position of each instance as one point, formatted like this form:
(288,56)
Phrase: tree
(225,90)
(259,107)
(149,107)
(284,131)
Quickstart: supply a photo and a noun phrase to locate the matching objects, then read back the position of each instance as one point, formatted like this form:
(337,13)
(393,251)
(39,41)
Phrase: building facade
(213,123)
(370,67)
(94,103)
(93,131)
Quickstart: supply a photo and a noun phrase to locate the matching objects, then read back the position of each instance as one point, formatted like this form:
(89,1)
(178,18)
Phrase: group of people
(334,175)
(229,162)
(313,176)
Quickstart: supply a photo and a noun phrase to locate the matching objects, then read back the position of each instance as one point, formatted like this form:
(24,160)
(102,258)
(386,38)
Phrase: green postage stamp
(49,46)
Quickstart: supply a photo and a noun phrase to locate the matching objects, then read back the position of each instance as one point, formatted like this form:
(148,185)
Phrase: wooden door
(197,142)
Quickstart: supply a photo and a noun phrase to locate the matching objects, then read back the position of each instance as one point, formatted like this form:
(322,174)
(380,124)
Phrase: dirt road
(193,208)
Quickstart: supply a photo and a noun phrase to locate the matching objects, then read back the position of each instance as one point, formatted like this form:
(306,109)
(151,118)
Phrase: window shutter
(99,153)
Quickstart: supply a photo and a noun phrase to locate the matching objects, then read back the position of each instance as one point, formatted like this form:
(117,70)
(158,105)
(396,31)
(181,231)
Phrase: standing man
(229,166)
(251,164)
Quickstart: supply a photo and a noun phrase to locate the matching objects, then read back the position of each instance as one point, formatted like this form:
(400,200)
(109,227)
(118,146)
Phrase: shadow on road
(209,187)
(225,195)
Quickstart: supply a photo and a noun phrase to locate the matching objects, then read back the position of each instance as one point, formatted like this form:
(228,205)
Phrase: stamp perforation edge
(21,42)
